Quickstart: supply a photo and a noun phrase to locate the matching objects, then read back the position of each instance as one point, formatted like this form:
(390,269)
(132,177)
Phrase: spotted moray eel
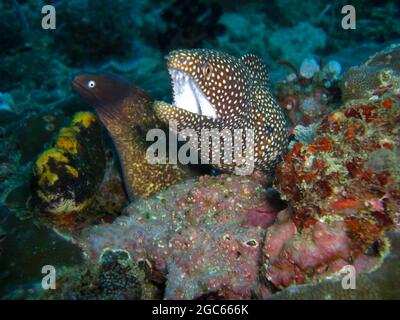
(213,89)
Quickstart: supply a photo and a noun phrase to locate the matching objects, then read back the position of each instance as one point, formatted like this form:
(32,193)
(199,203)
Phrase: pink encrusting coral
(296,257)
(222,258)
(380,283)
(202,237)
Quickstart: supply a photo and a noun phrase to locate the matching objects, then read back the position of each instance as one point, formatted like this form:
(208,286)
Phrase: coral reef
(245,32)
(78,160)
(288,14)
(296,256)
(29,59)
(377,25)
(94,30)
(202,237)
(343,187)
(304,134)
(27,247)
(210,237)
(3,234)
(25,131)
(350,166)
(111,196)
(6,102)
(285,43)
(9,37)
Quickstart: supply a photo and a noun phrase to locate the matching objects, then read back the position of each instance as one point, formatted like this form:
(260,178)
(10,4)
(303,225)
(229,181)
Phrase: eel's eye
(206,68)
(91,84)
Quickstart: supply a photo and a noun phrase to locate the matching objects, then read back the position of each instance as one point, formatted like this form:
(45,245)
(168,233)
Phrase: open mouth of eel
(188,96)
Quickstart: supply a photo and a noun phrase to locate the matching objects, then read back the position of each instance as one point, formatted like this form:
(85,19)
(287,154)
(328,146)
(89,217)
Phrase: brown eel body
(126,112)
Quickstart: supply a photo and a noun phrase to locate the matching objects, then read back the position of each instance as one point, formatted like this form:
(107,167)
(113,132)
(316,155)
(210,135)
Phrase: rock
(309,93)
(294,257)
(344,190)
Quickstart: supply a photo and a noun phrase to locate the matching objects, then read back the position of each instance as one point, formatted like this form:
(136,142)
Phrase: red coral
(320,144)
(387,103)
(362,111)
(344,204)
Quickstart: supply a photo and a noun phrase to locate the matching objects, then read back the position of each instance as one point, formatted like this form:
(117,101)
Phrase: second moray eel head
(116,100)
(98,88)
(127,113)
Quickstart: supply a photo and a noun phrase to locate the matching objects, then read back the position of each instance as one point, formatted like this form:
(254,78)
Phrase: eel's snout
(76,84)
(79,87)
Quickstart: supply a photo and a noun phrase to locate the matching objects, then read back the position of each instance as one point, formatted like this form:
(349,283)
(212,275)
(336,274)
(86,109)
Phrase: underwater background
(335,199)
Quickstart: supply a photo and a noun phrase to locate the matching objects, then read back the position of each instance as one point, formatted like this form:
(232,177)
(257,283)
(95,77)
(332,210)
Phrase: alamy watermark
(49,18)
(49,280)
(211,146)
(349,277)
(349,20)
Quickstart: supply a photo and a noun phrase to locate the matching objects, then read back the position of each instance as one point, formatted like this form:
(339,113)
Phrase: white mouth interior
(188,95)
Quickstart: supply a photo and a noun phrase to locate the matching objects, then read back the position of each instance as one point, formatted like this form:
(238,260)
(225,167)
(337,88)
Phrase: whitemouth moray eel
(216,90)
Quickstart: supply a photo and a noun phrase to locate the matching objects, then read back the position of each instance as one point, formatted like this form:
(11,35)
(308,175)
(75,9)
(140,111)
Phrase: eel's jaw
(188,95)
